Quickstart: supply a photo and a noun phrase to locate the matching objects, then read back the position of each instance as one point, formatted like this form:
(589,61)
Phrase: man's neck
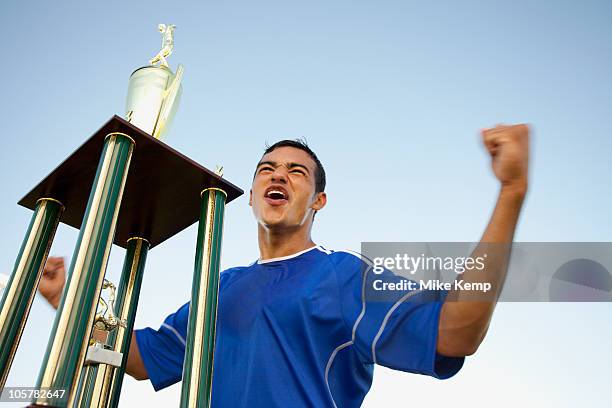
(276,244)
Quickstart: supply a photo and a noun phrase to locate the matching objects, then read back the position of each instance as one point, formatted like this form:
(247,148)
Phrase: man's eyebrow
(270,163)
(293,165)
(289,165)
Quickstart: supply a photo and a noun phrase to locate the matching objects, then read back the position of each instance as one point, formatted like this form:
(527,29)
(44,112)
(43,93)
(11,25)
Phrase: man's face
(283,192)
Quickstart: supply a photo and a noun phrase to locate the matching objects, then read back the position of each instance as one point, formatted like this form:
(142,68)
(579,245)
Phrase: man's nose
(279,175)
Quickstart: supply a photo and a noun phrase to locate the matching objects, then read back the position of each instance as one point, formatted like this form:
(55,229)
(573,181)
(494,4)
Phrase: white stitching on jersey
(176,333)
(386,319)
(329,364)
(352,341)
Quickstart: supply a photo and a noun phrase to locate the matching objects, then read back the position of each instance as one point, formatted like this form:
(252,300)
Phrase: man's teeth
(276,193)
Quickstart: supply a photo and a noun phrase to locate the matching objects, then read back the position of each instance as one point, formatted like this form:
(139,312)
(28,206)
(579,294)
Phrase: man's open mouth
(276,195)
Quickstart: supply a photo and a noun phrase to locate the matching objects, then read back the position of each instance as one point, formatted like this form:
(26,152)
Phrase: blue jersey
(300,331)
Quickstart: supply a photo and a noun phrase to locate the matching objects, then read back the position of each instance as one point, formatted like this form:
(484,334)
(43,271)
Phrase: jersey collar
(282,258)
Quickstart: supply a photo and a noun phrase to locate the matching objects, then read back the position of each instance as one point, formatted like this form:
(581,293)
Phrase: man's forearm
(496,243)
(464,320)
(135,366)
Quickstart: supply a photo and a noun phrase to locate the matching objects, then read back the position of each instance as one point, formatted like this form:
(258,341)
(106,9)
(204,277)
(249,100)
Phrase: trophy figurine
(122,186)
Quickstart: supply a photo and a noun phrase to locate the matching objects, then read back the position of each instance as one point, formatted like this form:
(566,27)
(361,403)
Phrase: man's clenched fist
(509,150)
(53,280)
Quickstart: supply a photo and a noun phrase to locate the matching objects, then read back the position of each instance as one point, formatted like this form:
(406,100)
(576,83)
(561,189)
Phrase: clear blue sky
(391,95)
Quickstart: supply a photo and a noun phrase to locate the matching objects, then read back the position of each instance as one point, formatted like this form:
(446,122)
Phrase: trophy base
(162,192)
(34,405)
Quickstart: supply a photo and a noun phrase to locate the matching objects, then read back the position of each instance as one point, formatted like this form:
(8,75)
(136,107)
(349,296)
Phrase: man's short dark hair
(302,145)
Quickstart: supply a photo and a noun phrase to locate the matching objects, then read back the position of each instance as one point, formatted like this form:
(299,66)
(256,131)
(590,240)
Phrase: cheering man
(294,328)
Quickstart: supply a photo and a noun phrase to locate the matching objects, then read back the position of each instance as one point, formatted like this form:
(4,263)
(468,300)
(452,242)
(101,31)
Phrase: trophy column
(127,298)
(22,285)
(73,323)
(100,383)
(199,351)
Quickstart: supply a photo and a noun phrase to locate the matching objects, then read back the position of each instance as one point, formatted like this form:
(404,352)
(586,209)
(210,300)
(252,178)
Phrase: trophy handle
(170,99)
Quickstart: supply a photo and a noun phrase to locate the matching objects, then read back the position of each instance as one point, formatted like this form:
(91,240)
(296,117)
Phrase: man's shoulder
(347,259)
(345,255)
(234,272)
(236,269)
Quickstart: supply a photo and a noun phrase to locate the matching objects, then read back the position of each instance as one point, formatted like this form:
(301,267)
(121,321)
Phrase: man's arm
(51,286)
(135,366)
(464,324)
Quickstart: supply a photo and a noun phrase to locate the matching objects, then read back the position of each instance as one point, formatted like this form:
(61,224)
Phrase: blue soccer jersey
(301,331)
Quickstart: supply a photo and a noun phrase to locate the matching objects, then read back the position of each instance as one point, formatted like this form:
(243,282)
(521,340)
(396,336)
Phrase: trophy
(123,186)
(154,91)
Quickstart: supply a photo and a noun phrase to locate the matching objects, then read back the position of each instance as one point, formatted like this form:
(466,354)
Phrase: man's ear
(251,198)
(320,201)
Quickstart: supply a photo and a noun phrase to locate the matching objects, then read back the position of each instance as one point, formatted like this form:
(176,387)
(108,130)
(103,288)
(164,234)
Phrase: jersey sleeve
(397,329)
(163,350)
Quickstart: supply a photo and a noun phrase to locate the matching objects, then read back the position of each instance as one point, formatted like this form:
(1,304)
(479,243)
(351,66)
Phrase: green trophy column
(199,351)
(69,338)
(21,288)
(127,299)
(102,384)
(86,385)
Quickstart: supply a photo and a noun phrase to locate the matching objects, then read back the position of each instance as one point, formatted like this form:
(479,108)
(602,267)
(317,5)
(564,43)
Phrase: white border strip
(327,251)
(282,258)
(386,319)
(176,333)
(352,341)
